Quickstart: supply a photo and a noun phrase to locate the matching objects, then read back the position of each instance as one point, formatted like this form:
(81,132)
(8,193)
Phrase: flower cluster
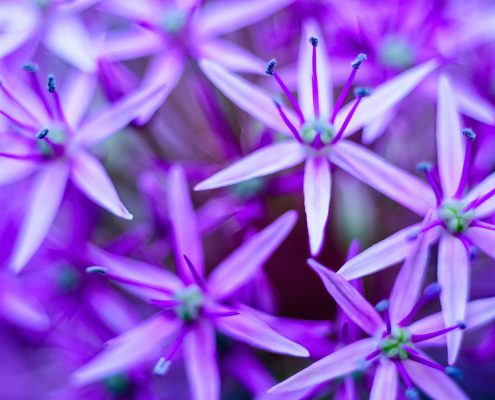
(166,175)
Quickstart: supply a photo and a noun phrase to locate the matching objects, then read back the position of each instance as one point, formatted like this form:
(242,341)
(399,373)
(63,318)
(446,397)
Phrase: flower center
(396,52)
(118,384)
(455,219)
(52,142)
(174,21)
(311,130)
(396,344)
(191,299)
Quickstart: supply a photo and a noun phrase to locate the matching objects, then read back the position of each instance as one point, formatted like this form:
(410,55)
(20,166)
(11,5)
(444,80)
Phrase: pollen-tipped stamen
(477,202)
(52,88)
(431,292)
(383,308)
(471,250)
(411,392)
(164,363)
(340,101)
(470,138)
(360,93)
(287,122)
(421,337)
(314,77)
(426,168)
(32,69)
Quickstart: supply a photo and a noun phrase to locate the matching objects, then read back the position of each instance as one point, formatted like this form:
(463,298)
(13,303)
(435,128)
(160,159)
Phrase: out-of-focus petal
(18,21)
(187,240)
(12,171)
(91,178)
(200,357)
(317,192)
(354,305)
(472,104)
(128,350)
(240,266)
(453,277)
(247,327)
(131,44)
(44,201)
(378,173)
(385,383)
(305,74)
(267,160)
(339,363)
(436,384)
(450,141)
(247,96)
(379,126)
(385,97)
(231,56)
(224,16)
(77,96)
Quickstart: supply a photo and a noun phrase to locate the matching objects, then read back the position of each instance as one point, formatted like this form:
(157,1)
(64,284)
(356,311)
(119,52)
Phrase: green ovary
(453,216)
(393,345)
(395,52)
(311,129)
(191,299)
(174,21)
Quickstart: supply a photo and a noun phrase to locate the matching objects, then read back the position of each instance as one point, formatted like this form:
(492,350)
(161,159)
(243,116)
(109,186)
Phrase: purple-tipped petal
(378,173)
(44,201)
(433,382)
(231,56)
(450,141)
(267,160)
(385,97)
(355,306)
(385,383)
(91,178)
(453,277)
(247,96)
(187,240)
(339,363)
(247,327)
(224,16)
(128,350)
(317,192)
(240,266)
(200,358)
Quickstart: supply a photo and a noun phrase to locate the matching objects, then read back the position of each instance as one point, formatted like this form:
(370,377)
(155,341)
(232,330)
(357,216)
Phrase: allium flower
(456,219)
(53,140)
(192,307)
(317,132)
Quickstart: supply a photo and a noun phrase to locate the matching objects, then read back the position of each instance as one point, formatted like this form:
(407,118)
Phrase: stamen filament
(35,85)
(383,307)
(287,122)
(165,303)
(426,168)
(314,77)
(428,363)
(360,93)
(372,355)
(468,245)
(163,364)
(470,136)
(18,123)
(481,200)
(421,337)
(484,225)
(197,278)
(430,292)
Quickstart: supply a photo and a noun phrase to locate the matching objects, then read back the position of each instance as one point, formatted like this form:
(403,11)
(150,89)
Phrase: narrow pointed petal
(187,240)
(409,281)
(131,44)
(78,96)
(138,345)
(378,173)
(385,97)
(436,384)
(240,266)
(385,383)
(317,192)
(225,16)
(231,56)
(378,126)
(453,277)
(482,188)
(354,305)
(473,105)
(12,171)
(91,178)
(267,160)
(247,327)
(304,77)
(200,358)
(44,201)
(484,239)
(450,141)
(339,363)
(247,96)
(381,255)
(19,22)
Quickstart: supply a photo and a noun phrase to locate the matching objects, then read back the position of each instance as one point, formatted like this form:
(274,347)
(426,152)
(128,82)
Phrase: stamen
(431,292)
(481,200)
(270,70)
(483,225)
(197,278)
(426,168)
(26,157)
(372,355)
(18,123)
(382,307)
(219,314)
(287,122)
(56,98)
(411,392)
(454,372)
(470,136)
(340,101)
(51,83)
(12,98)
(421,337)
(165,303)
(163,364)
(428,363)
(32,69)
(43,133)
(314,77)
(359,93)
(471,250)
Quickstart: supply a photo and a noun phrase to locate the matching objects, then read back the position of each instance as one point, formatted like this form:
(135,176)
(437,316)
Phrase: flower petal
(247,96)
(247,327)
(305,72)
(91,178)
(200,357)
(128,350)
(385,383)
(378,173)
(317,191)
(77,96)
(339,363)
(44,201)
(385,97)
(450,142)
(267,160)
(240,266)
(483,238)
(354,305)
(473,105)
(482,188)
(378,126)
(231,56)
(187,240)
(453,277)
(436,384)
